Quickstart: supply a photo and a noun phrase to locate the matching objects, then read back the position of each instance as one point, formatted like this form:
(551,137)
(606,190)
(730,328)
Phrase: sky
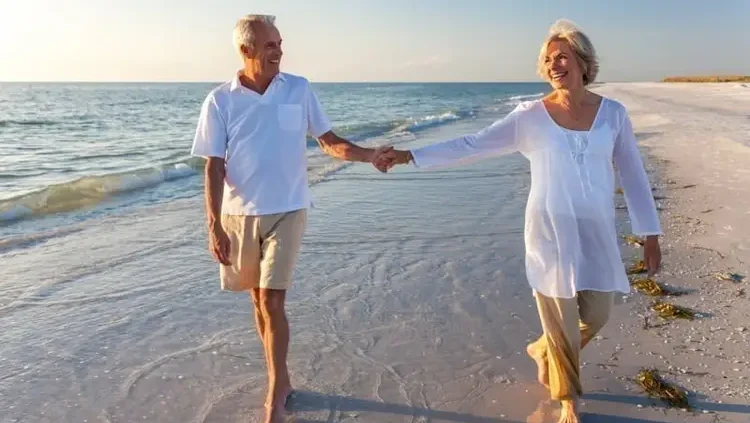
(366,40)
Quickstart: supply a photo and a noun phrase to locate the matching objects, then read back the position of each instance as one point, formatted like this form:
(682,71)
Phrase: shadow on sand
(306,401)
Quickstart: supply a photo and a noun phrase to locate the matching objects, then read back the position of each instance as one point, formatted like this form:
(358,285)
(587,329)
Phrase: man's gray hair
(244,35)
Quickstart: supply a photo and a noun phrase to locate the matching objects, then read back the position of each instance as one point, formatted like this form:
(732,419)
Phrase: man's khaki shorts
(263,250)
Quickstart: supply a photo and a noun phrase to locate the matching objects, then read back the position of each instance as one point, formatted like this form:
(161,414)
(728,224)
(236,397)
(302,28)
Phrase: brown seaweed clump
(656,387)
(633,240)
(648,287)
(730,277)
(671,311)
(638,267)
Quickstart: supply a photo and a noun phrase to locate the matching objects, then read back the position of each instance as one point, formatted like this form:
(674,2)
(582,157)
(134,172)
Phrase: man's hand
(218,245)
(378,158)
(652,255)
(389,158)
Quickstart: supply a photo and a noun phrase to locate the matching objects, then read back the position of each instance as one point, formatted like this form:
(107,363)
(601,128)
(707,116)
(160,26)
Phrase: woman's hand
(391,157)
(652,255)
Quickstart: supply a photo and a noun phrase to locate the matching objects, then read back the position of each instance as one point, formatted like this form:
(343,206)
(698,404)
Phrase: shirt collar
(236,84)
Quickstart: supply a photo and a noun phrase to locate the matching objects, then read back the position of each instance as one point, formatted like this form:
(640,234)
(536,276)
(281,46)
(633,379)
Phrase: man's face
(266,52)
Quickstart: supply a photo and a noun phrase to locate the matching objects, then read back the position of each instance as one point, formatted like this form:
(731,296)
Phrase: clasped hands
(384,158)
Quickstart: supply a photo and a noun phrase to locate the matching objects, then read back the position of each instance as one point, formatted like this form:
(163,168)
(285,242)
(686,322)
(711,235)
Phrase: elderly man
(252,131)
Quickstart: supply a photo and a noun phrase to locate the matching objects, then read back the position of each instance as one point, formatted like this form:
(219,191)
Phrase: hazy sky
(366,40)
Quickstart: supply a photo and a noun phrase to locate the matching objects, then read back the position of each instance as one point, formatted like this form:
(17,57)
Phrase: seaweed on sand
(638,267)
(671,311)
(656,387)
(633,240)
(648,287)
(730,277)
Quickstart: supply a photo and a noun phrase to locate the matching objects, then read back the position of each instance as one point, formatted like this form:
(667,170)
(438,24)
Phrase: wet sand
(410,302)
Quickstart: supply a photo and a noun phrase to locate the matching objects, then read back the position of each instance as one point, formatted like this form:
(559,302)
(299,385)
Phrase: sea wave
(505,104)
(90,190)
(411,124)
(519,98)
(430,121)
(26,122)
(16,242)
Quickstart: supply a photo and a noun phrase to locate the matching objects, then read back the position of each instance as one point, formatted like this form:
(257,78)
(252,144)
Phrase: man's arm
(214,192)
(215,173)
(337,147)
(342,149)
(210,142)
(320,127)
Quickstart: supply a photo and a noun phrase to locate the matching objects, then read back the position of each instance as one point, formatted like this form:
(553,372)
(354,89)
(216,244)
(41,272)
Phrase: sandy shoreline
(699,164)
(410,302)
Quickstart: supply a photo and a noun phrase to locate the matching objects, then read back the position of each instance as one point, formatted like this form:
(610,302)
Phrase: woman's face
(562,67)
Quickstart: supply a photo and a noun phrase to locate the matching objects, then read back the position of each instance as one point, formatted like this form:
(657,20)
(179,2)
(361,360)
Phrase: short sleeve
(211,134)
(317,121)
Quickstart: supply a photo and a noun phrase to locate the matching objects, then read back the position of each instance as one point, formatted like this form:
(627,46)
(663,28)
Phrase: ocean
(70,151)
(409,284)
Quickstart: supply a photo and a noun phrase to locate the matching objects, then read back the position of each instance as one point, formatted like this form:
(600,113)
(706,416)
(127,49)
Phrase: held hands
(652,255)
(384,158)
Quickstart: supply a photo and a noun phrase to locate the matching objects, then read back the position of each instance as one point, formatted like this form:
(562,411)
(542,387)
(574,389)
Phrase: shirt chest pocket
(289,116)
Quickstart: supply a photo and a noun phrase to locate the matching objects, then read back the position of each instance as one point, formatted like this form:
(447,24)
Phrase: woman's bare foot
(569,412)
(541,364)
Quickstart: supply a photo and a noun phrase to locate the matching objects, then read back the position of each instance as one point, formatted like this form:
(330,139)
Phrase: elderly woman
(571,138)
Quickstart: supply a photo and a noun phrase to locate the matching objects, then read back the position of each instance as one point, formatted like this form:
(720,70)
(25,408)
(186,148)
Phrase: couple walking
(252,131)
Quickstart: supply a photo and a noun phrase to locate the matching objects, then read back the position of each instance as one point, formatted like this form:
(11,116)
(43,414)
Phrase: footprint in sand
(543,412)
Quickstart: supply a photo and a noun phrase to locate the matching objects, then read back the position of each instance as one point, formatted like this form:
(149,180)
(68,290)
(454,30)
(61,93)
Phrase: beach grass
(708,78)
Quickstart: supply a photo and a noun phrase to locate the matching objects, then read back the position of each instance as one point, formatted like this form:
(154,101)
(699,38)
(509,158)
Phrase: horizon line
(312,81)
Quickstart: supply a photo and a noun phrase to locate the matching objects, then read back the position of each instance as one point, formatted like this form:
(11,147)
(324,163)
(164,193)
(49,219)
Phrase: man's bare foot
(569,412)
(274,414)
(276,407)
(281,397)
(541,364)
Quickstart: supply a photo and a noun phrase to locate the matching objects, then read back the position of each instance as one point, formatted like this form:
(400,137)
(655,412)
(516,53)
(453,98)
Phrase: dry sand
(697,137)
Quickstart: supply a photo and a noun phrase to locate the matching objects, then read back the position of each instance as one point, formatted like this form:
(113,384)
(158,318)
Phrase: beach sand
(409,305)
(697,140)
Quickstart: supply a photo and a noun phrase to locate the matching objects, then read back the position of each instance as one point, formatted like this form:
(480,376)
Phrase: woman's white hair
(244,35)
(565,30)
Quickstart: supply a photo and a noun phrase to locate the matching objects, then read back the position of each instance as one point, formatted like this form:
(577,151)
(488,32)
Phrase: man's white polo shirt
(263,140)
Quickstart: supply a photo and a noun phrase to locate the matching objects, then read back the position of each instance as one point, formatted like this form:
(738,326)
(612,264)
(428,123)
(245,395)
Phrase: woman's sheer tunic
(570,234)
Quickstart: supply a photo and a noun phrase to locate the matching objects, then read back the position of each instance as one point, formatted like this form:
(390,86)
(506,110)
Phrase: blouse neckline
(564,129)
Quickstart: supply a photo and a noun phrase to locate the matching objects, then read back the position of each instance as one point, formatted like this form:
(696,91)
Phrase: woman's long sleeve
(502,137)
(644,218)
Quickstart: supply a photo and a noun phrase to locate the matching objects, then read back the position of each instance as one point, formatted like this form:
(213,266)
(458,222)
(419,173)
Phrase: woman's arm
(502,137)
(644,218)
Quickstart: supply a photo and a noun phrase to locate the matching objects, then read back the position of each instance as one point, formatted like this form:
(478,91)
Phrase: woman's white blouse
(570,234)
